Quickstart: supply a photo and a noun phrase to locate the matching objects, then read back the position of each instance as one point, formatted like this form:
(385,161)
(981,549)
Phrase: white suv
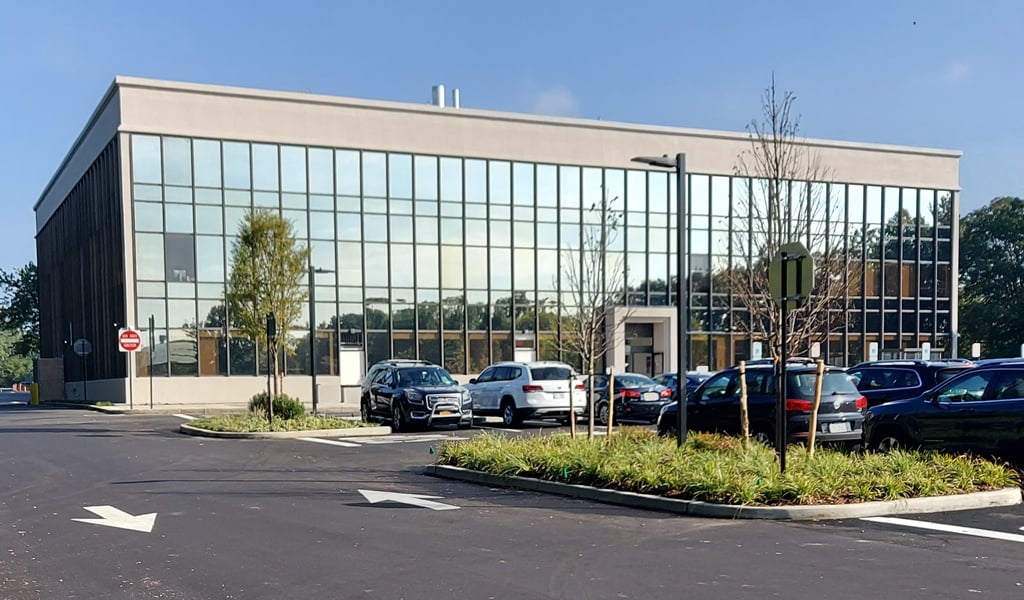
(533,390)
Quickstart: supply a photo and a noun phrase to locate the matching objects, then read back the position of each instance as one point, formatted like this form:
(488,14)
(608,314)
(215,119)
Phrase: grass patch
(716,468)
(257,422)
(104,403)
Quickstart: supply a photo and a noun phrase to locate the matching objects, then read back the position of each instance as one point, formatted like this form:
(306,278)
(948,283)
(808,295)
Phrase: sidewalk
(195,409)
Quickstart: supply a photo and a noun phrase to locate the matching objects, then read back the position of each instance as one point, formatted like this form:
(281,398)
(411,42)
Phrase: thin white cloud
(555,101)
(956,72)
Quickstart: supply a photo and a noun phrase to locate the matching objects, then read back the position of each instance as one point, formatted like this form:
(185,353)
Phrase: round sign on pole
(129,340)
(82,347)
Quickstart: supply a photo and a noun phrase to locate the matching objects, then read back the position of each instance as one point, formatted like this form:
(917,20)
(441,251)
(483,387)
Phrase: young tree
(19,308)
(593,281)
(783,199)
(992,276)
(268,271)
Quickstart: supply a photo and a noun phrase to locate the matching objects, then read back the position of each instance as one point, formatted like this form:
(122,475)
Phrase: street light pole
(312,331)
(682,278)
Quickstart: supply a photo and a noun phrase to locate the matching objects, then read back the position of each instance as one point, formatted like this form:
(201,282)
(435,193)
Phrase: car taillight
(665,393)
(798,405)
(862,403)
(532,388)
(630,394)
(580,387)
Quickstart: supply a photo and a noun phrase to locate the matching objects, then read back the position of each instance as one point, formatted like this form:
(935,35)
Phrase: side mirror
(473,380)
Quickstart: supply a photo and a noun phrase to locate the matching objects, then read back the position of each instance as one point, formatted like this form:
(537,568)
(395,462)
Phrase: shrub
(285,407)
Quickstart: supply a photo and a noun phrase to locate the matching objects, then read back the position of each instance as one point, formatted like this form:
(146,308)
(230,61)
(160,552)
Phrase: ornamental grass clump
(722,469)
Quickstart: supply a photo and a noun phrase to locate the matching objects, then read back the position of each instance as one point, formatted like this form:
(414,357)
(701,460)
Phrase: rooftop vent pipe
(438,95)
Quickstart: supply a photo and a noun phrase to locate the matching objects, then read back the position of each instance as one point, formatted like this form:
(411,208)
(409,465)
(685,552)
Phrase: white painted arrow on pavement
(420,500)
(115,517)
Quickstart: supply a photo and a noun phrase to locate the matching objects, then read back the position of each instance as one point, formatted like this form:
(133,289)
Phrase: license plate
(651,396)
(838,427)
(558,395)
(445,413)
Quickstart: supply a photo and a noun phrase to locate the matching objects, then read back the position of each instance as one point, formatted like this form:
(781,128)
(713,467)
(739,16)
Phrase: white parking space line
(497,428)
(186,417)
(329,442)
(985,533)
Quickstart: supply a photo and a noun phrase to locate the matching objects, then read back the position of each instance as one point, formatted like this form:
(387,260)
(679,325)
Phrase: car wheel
(509,416)
(364,410)
(602,414)
(762,436)
(398,420)
(887,442)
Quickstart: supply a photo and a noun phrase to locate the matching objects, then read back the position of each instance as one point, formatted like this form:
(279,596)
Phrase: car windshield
(424,377)
(833,382)
(632,381)
(553,373)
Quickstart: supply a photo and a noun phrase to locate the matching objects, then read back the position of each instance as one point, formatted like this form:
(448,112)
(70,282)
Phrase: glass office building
(443,234)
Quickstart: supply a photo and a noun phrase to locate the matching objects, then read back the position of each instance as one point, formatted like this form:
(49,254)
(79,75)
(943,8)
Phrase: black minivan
(715,405)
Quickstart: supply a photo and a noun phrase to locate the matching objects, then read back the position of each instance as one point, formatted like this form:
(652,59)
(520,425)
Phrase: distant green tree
(19,308)
(268,271)
(992,277)
(15,367)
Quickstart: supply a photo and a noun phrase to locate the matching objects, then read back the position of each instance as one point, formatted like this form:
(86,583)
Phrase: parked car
(671,381)
(378,366)
(886,380)
(637,398)
(406,395)
(979,410)
(527,390)
(715,406)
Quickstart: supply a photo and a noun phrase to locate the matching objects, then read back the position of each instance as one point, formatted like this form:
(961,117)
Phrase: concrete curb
(278,435)
(1004,497)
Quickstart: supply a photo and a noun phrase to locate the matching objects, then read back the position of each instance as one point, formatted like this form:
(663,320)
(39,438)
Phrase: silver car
(532,390)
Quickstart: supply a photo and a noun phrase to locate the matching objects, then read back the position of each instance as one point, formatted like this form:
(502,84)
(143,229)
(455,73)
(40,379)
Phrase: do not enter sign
(129,340)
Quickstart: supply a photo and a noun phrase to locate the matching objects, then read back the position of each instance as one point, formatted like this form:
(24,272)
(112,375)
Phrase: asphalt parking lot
(350,518)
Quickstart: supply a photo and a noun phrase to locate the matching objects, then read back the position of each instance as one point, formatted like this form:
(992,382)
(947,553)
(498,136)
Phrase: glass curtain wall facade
(459,260)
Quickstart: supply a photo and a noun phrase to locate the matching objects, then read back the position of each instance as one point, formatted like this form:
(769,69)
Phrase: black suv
(715,405)
(406,394)
(886,380)
(979,410)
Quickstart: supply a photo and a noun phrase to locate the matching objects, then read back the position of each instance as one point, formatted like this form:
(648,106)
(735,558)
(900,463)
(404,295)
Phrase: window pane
(476,181)
(321,171)
(348,226)
(374,174)
(179,257)
(210,251)
(501,269)
(321,226)
(524,269)
(293,168)
(149,256)
(451,179)
(350,264)
(375,228)
(426,266)
(264,167)
(347,172)
(401,229)
(569,187)
(426,230)
(522,184)
(149,216)
(236,165)
(207,162)
(400,176)
(426,177)
(177,161)
(209,219)
(451,266)
(376,257)
(179,218)
(500,183)
(401,265)
(146,159)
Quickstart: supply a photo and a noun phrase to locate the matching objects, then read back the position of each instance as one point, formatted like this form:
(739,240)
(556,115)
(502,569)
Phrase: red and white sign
(129,340)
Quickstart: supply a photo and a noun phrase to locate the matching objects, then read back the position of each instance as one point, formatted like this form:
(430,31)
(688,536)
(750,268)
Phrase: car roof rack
(915,361)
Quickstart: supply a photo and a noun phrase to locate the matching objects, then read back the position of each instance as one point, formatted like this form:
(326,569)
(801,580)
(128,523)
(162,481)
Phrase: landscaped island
(720,469)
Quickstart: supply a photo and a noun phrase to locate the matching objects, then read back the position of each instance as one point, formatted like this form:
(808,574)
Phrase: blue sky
(934,73)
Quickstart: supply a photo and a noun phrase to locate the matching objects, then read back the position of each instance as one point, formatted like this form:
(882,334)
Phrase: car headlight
(414,397)
(466,398)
